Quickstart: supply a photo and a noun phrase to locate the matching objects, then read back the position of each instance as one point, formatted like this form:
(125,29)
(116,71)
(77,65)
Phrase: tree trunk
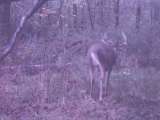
(5,21)
(75,16)
(151,13)
(102,2)
(90,14)
(117,13)
(155,14)
(138,15)
(19,28)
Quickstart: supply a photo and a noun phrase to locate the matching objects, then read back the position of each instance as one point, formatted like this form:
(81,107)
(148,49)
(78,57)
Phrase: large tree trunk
(5,21)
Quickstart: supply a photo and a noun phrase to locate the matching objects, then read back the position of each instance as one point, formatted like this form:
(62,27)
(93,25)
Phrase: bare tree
(138,15)
(154,11)
(116,11)
(102,3)
(60,14)
(19,28)
(90,14)
(5,6)
(7,1)
(75,10)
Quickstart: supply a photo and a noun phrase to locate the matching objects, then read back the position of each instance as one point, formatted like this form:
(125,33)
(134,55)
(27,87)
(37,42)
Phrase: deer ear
(103,41)
(105,36)
(125,40)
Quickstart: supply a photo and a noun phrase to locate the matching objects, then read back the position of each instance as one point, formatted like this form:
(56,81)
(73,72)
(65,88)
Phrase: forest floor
(129,108)
(19,100)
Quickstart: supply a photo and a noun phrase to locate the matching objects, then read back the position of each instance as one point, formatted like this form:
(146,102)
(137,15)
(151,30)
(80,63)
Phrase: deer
(103,57)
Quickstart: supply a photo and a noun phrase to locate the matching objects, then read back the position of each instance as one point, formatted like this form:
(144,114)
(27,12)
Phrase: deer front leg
(91,71)
(101,90)
(102,77)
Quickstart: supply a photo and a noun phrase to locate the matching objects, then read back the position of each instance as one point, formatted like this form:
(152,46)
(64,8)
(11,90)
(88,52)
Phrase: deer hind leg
(91,73)
(102,78)
(107,83)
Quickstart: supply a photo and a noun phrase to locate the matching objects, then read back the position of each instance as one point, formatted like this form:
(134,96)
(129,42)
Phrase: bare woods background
(45,75)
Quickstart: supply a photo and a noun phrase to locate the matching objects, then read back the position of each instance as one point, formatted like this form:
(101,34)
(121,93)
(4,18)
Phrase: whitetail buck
(104,57)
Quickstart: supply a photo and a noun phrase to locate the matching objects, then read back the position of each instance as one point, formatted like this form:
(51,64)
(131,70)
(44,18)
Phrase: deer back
(105,54)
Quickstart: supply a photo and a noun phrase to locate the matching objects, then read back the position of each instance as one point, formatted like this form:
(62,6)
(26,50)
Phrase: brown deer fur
(104,57)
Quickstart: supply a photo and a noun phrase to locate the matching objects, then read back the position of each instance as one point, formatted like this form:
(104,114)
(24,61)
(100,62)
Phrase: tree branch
(19,28)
